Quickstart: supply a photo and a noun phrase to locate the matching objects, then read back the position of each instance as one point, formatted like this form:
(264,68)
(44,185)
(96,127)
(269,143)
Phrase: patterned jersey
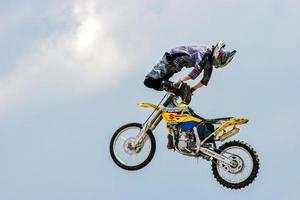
(198,57)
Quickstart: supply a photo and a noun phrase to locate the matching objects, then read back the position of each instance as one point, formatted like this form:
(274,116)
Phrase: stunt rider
(200,58)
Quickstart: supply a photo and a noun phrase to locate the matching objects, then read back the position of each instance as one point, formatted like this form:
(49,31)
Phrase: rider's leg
(170,142)
(160,84)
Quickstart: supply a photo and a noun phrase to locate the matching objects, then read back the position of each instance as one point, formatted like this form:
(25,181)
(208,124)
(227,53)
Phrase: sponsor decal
(170,110)
(177,116)
(171,116)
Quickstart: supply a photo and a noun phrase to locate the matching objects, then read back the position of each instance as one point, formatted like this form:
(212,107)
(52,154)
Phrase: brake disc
(236,164)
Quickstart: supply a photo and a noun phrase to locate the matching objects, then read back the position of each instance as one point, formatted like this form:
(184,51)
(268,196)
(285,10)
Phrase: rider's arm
(194,74)
(199,64)
(197,86)
(205,79)
(206,74)
(185,78)
(182,79)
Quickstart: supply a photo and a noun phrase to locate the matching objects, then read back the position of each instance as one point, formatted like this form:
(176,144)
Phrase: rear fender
(232,123)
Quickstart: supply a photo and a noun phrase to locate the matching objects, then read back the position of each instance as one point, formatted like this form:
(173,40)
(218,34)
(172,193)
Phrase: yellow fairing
(153,106)
(172,117)
(147,105)
(178,117)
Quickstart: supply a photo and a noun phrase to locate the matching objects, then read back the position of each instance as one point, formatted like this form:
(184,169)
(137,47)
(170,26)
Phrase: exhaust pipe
(229,134)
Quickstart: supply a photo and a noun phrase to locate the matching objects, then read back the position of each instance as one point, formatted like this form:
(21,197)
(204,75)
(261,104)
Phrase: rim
(124,151)
(241,165)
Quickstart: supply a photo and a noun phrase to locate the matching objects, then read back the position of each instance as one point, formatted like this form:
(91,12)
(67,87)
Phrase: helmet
(221,57)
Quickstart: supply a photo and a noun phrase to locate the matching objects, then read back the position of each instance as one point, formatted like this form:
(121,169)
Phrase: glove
(185,93)
(177,83)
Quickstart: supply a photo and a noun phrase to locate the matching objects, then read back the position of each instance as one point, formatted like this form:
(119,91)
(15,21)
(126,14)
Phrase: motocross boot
(185,93)
(184,90)
(170,142)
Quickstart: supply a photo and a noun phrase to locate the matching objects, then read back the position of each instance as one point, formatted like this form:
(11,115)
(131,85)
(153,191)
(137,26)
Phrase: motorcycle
(235,164)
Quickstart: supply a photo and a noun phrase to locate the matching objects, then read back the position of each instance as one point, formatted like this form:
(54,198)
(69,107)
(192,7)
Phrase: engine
(186,140)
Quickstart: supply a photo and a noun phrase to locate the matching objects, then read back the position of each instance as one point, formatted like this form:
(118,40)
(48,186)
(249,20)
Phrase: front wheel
(127,155)
(243,168)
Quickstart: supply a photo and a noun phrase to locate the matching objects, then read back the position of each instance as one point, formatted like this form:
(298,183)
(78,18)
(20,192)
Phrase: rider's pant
(153,83)
(156,84)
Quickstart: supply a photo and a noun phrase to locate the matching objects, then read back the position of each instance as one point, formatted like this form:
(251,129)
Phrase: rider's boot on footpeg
(170,142)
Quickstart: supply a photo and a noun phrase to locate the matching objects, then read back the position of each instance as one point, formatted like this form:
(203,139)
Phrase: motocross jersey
(198,57)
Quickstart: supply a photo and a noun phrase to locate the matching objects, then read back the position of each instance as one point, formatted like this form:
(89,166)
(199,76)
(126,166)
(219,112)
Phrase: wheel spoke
(242,165)
(124,150)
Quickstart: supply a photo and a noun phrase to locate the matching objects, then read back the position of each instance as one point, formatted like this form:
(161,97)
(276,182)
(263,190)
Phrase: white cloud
(106,39)
(82,59)
(101,44)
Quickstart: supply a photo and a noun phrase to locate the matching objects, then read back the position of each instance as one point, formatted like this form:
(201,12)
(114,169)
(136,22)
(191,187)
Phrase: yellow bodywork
(172,116)
(221,130)
(179,117)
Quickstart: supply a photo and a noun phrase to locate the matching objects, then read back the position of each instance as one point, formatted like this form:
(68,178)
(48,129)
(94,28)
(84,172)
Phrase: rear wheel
(123,151)
(243,168)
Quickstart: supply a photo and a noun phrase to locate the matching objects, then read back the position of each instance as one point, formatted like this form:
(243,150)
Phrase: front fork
(155,120)
(151,125)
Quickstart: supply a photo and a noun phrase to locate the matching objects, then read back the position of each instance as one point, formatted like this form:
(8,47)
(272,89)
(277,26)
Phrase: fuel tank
(181,116)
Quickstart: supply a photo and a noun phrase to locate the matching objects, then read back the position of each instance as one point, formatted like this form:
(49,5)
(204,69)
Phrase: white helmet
(220,57)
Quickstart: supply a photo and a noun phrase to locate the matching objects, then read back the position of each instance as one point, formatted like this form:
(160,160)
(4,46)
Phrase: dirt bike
(235,164)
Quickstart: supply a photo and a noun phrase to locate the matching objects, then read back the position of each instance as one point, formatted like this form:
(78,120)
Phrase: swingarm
(215,155)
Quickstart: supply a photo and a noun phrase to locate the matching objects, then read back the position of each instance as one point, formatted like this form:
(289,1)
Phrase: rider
(201,58)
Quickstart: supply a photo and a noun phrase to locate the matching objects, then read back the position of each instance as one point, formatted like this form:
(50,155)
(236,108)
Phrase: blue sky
(72,71)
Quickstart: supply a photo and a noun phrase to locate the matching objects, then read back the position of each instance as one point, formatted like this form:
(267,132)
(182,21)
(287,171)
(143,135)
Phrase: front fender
(147,105)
